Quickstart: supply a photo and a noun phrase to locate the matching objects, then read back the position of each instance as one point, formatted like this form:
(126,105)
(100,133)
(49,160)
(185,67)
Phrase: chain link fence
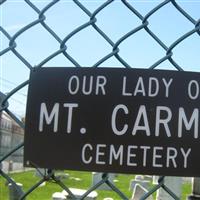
(88,18)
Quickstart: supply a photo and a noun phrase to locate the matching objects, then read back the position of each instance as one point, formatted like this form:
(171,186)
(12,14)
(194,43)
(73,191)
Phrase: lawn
(76,179)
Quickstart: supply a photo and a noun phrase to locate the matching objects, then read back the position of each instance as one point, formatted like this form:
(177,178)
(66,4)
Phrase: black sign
(114,120)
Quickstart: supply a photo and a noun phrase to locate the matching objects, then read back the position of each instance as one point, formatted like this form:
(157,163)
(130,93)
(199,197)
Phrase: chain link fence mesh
(84,19)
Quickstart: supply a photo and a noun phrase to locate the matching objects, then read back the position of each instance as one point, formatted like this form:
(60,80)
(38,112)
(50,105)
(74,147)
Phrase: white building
(11,135)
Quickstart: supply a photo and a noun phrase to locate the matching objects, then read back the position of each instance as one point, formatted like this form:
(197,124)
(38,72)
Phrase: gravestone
(148,177)
(139,177)
(144,177)
(61,175)
(139,191)
(187,180)
(141,180)
(143,183)
(97,177)
(78,193)
(42,184)
(174,184)
(58,196)
(7,182)
(155,180)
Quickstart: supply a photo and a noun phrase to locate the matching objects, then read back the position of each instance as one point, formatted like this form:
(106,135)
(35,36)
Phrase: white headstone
(148,178)
(143,183)
(61,175)
(174,184)
(79,192)
(58,196)
(139,177)
(97,177)
(140,191)
(42,184)
(155,180)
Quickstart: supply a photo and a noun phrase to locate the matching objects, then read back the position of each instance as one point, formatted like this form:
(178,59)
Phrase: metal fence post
(14,193)
(195,189)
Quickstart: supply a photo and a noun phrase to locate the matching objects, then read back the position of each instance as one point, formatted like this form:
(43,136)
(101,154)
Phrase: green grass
(28,179)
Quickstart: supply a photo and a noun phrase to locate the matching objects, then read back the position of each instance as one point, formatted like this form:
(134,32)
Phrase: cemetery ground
(75,179)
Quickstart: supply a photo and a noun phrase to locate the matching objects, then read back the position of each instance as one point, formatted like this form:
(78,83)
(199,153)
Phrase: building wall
(11,135)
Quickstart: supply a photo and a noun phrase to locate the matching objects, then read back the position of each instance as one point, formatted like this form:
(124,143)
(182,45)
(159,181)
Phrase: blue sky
(88,46)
